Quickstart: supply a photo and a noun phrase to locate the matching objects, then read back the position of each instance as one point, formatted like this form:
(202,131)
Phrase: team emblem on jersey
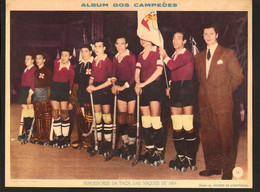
(88,71)
(41,76)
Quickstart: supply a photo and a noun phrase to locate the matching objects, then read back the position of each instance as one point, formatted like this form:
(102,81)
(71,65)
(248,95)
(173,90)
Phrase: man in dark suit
(219,74)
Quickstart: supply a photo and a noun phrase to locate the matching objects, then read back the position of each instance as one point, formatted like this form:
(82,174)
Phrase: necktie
(208,54)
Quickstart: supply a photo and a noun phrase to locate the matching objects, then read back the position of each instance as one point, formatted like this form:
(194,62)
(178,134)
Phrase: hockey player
(182,96)
(62,81)
(26,97)
(42,105)
(148,85)
(80,94)
(100,87)
(125,62)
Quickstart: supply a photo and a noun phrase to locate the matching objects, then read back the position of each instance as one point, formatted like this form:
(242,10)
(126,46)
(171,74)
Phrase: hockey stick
(137,134)
(30,133)
(113,152)
(93,127)
(21,124)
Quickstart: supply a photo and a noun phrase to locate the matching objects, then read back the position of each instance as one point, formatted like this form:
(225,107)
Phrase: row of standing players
(55,94)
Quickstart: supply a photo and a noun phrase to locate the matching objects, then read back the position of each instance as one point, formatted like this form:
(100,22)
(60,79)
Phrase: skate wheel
(156,163)
(135,156)
(129,157)
(162,162)
(193,168)
(183,169)
(146,161)
(121,156)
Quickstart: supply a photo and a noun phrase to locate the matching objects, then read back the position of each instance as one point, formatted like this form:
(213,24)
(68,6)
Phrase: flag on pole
(147,27)
(74,52)
(194,48)
(58,54)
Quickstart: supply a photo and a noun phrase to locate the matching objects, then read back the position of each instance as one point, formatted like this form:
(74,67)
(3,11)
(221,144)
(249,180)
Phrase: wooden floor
(33,161)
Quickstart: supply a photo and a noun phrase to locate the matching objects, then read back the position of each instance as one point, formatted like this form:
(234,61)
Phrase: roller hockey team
(102,97)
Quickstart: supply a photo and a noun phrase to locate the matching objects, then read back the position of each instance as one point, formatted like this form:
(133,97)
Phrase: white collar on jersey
(126,53)
(66,66)
(154,48)
(28,68)
(90,60)
(103,58)
(181,52)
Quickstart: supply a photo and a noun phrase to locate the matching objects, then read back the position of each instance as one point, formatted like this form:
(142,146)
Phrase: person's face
(145,43)
(40,60)
(210,36)
(99,48)
(85,53)
(177,41)
(121,45)
(65,57)
(28,60)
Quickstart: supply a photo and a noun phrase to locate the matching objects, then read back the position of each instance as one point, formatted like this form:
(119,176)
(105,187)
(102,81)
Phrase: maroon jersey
(63,74)
(125,70)
(28,77)
(149,65)
(103,70)
(181,65)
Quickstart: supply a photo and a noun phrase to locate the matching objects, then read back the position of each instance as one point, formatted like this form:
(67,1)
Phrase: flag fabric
(194,48)
(74,52)
(58,54)
(147,27)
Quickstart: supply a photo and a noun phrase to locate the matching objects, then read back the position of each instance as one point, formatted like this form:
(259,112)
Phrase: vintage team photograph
(129,98)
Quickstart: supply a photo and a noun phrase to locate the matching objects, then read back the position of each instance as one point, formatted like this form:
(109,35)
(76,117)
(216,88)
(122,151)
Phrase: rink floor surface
(32,161)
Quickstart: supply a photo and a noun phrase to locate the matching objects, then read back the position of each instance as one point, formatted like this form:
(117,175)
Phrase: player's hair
(86,46)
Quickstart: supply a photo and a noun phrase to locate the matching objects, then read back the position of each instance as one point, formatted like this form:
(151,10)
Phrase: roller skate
(20,137)
(24,139)
(159,157)
(77,144)
(101,147)
(177,163)
(107,148)
(55,141)
(122,150)
(64,142)
(131,152)
(190,163)
(147,157)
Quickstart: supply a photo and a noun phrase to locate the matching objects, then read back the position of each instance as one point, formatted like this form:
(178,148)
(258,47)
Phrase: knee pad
(146,121)
(176,122)
(107,118)
(131,119)
(121,117)
(187,121)
(55,114)
(30,113)
(132,131)
(98,116)
(64,115)
(156,122)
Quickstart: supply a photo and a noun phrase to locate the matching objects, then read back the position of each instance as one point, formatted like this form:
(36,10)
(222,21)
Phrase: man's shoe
(210,172)
(227,175)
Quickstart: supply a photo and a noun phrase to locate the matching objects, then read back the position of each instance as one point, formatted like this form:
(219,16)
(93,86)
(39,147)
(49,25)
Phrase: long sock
(108,132)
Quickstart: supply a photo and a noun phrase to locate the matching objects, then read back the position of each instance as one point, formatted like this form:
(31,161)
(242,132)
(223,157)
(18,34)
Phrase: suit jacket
(225,75)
